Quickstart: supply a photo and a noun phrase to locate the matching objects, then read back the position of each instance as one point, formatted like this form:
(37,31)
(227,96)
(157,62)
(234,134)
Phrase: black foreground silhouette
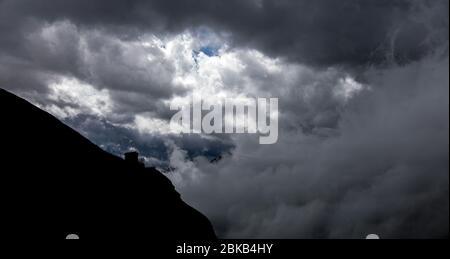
(55,182)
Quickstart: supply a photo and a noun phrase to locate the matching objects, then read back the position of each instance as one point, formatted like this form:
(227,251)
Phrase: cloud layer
(384,171)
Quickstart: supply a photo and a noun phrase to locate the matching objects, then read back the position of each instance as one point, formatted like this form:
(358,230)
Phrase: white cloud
(139,78)
(346,88)
(71,97)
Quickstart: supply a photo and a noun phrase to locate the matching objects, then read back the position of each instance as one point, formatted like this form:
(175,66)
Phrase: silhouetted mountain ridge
(56,182)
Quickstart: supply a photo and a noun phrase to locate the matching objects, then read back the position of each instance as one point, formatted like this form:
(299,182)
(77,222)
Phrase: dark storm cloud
(323,32)
(385,172)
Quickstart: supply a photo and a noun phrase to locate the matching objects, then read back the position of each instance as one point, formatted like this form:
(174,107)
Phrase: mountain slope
(55,182)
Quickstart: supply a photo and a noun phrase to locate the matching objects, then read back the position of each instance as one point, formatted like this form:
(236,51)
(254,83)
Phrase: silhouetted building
(133,158)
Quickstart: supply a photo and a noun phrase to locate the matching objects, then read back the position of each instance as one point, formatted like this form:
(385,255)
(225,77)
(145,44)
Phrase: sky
(363,89)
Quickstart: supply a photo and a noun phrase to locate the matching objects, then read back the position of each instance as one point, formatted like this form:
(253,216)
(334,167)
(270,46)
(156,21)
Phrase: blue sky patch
(208,51)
